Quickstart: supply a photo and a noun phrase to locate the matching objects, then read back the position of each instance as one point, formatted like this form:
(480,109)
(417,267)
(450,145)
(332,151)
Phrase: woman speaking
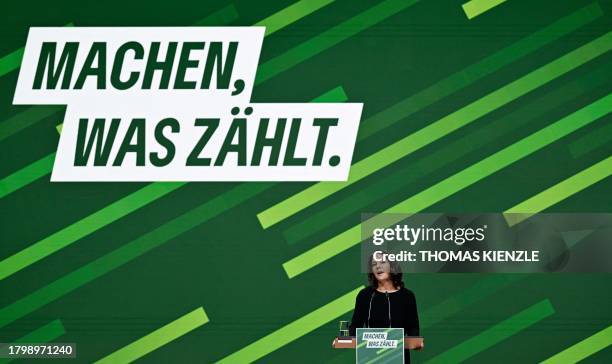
(386,302)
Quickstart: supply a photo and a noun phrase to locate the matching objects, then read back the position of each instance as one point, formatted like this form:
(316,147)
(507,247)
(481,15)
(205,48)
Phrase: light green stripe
(86,226)
(583,349)
(478,70)
(336,94)
(44,334)
(560,191)
(158,338)
(291,14)
(130,251)
(474,8)
(294,330)
(388,357)
(29,173)
(330,37)
(11,61)
(457,182)
(323,252)
(594,139)
(223,16)
(496,334)
(26,175)
(438,129)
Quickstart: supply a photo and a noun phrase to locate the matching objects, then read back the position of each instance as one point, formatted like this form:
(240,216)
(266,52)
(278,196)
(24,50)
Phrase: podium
(350,342)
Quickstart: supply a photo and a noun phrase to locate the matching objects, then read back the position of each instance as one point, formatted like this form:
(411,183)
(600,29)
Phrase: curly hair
(395,272)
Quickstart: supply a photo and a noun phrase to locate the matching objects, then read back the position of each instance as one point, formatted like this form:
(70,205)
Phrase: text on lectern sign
(383,345)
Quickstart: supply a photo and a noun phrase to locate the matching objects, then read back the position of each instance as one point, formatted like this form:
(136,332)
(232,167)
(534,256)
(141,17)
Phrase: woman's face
(381,270)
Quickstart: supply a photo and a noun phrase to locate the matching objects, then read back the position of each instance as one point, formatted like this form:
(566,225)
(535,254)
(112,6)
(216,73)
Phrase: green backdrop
(128,258)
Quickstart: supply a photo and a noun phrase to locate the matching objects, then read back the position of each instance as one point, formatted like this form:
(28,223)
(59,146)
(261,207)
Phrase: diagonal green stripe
(330,38)
(158,338)
(478,70)
(457,182)
(44,334)
(496,334)
(474,8)
(130,251)
(225,15)
(594,139)
(583,349)
(294,330)
(336,94)
(26,118)
(11,61)
(26,175)
(387,359)
(291,14)
(438,129)
(143,244)
(444,156)
(323,252)
(86,226)
(560,191)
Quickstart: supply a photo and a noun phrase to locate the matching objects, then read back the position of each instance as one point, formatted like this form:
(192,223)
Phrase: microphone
(389,305)
(369,310)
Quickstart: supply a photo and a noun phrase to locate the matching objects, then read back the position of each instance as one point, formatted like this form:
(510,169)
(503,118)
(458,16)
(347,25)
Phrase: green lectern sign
(380,346)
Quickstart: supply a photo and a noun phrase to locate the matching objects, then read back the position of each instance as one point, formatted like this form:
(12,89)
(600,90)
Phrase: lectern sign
(381,345)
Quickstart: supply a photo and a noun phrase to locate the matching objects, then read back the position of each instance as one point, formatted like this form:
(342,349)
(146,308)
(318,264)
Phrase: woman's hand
(421,346)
